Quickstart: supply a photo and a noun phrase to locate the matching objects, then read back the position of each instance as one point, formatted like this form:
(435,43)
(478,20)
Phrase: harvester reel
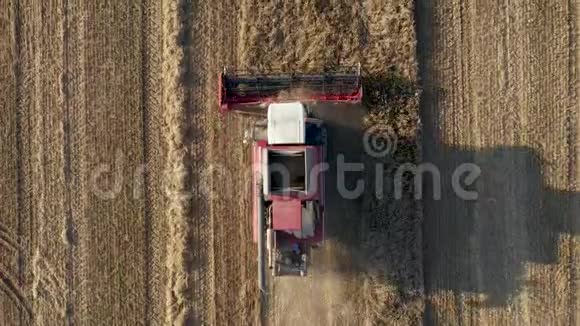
(246,92)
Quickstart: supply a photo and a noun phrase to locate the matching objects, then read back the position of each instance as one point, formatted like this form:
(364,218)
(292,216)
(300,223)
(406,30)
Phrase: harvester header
(242,88)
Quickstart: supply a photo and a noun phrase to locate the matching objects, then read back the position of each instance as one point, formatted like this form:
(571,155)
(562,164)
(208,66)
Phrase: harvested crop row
(178,287)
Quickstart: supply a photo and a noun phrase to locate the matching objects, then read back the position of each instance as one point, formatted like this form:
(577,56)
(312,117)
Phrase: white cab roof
(286,123)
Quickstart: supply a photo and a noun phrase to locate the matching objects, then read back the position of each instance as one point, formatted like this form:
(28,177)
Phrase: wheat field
(125,195)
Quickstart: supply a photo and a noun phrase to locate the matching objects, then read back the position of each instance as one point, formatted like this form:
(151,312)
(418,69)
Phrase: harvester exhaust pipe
(261,240)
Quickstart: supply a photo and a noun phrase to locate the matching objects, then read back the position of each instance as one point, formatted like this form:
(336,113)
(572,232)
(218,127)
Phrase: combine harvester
(288,149)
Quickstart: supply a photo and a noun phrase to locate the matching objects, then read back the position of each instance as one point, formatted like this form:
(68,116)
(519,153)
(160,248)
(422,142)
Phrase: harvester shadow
(480,246)
(344,143)
(484,246)
(470,247)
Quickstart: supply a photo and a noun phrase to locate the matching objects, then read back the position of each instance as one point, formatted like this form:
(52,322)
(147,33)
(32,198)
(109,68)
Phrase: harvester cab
(288,159)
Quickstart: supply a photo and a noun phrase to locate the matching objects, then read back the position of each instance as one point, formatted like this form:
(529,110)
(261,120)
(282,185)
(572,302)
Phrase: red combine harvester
(288,151)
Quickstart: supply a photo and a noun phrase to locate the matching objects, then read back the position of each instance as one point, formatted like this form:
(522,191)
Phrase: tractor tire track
(9,240)
(75,227)
(8,286)
(68,223)
(11,288)
(48,286)
(9,243)
(144,141)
